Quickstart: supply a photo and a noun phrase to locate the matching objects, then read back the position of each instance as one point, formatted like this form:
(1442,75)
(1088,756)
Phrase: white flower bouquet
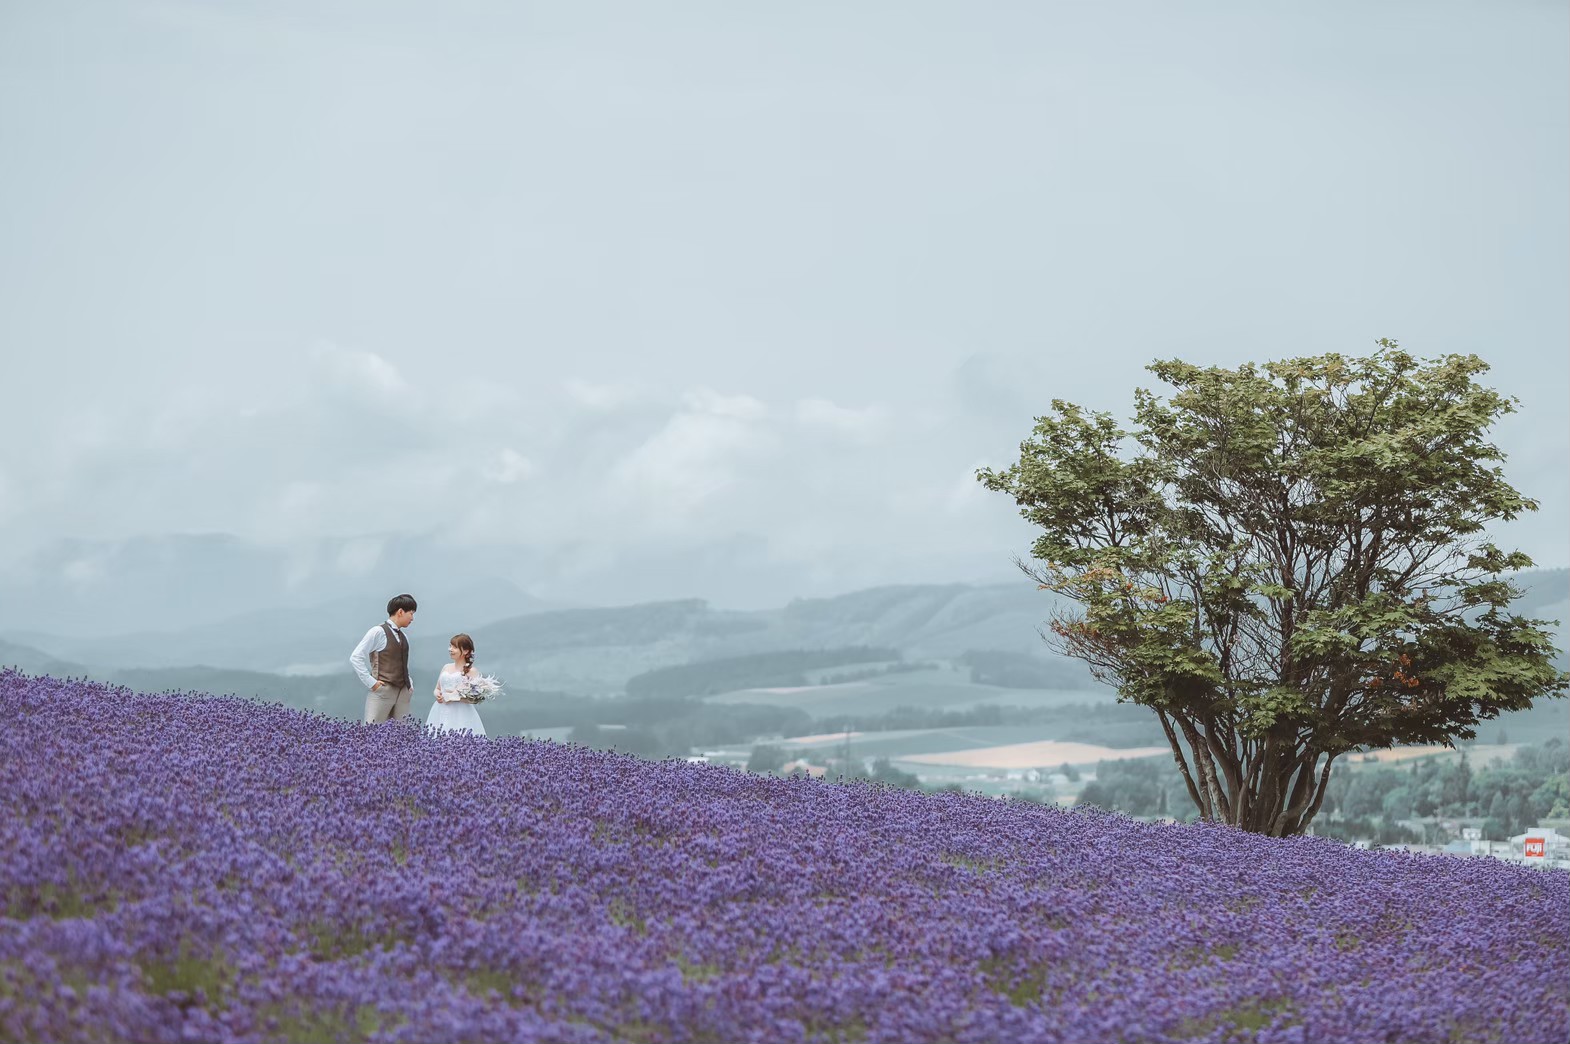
(479,689)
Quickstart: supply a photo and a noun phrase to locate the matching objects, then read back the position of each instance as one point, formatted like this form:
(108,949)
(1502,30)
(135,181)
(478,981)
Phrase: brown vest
(391,665)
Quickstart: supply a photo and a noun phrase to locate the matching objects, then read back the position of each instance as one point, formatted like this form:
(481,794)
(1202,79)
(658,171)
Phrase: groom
(382,662)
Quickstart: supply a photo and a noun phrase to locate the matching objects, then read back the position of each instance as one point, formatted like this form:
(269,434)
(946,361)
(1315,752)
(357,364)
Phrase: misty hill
(788,668)
(298,639)
(989,635)
(217,600)
(1546,596)
(326,694)
(36,661)
(177,586)
(581,651)
(598,650)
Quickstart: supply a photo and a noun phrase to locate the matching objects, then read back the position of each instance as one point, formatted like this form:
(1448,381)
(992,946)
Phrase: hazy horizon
(619,303)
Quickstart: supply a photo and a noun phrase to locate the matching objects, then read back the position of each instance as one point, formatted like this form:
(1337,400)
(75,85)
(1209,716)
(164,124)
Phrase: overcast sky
(628,283)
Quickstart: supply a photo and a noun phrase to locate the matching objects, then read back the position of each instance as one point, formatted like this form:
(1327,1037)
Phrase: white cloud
(598,397)
(82,571)
(298,510)
(360,370)
(741,407)
(601,308)
(299,564)
(827,414)
(359,555)
(507,466)
(695,455)
(966,493)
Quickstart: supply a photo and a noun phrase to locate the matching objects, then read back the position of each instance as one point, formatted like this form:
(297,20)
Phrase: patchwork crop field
(928,689)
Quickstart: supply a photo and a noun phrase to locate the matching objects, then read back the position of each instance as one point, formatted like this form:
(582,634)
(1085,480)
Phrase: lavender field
(182,868)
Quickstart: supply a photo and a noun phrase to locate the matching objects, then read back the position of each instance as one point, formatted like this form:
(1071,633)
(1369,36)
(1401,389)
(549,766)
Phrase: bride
(452,712)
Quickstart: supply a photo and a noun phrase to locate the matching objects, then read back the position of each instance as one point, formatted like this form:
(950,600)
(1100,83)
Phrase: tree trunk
(1273,793)
(1182,764)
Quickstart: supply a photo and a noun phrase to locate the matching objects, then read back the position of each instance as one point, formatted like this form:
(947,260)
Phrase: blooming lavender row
(183,868)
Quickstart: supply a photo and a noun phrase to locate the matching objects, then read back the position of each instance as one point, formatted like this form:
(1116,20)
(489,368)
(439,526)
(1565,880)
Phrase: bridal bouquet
(477,690)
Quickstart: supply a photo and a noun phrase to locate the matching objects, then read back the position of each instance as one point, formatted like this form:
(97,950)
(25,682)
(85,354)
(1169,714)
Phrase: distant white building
(1542,847)
(1476,846)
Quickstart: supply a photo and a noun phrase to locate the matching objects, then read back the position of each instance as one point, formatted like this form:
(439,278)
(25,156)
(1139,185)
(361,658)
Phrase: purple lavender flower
(182,867)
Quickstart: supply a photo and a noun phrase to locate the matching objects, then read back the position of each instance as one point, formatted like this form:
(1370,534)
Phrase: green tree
(1398,803)
(1520,813)
(1499,812)
(1551,800)
(883,771)
(1093,793)
(1457,788)
(1287,563)
(1425,798)
(644,741)
(766,757)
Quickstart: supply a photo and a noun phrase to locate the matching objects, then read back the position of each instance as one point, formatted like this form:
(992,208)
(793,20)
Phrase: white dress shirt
(375,640)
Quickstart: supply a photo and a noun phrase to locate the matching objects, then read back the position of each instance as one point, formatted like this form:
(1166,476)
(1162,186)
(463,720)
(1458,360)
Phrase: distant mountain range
(597,650)
(77,588)
(299,655)
(190,587)
(577,650)
(275,654)
(301,639)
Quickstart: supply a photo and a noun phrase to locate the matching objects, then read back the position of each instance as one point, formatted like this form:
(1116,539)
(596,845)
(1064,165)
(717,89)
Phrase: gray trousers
(386,702)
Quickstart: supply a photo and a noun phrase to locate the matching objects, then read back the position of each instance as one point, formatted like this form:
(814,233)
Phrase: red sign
(1536,848)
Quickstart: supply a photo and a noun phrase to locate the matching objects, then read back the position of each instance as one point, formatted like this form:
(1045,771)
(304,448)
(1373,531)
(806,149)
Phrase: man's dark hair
(403,601)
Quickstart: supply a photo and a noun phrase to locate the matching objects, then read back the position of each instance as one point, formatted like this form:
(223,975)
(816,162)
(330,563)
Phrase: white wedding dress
(457,716)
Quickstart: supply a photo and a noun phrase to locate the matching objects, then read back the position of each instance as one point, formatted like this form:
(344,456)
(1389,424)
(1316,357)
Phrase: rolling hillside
(273,875)
(598,650)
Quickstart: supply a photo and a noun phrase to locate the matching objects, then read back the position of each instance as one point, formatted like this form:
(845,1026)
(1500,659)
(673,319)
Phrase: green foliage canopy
(1287,562)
